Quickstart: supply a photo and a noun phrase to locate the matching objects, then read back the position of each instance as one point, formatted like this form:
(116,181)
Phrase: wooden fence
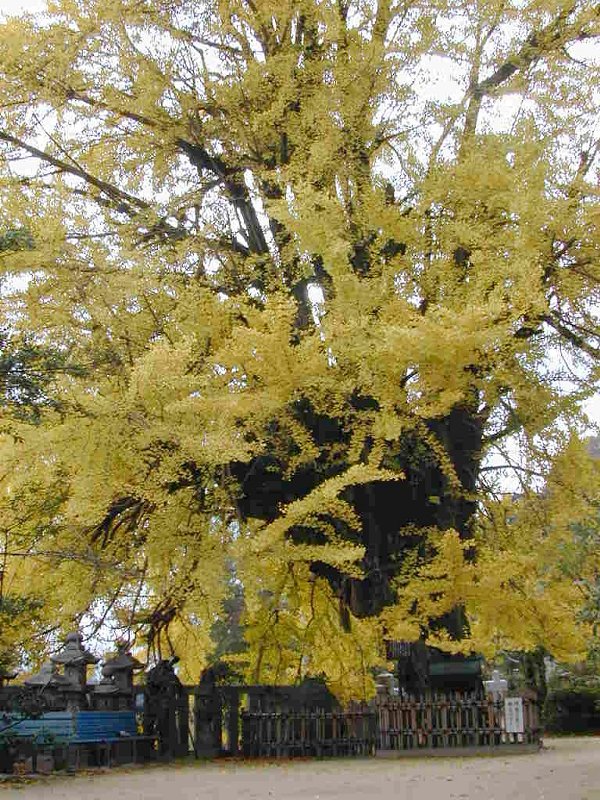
(309,733)
(450,720)
(216,716)
(287,721)
(440,721)
(258,721)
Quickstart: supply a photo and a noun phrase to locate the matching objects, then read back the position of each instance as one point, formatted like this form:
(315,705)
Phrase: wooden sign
(513,715)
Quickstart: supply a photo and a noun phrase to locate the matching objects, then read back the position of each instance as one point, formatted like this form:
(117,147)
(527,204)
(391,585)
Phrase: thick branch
(126,201)
(555,322)
(553,36)
(236,190)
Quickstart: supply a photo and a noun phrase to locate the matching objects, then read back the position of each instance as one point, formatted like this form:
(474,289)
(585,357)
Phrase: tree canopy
(281,298)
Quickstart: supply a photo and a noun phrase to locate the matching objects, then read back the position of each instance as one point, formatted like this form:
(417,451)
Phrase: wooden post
(207,727)
(233,720)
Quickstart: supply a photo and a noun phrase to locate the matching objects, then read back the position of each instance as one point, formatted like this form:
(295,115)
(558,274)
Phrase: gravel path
(568,769)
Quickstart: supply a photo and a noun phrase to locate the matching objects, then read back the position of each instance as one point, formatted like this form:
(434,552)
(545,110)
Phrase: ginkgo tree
(298,294)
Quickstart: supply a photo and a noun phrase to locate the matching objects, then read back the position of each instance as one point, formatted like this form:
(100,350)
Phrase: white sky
(19,6)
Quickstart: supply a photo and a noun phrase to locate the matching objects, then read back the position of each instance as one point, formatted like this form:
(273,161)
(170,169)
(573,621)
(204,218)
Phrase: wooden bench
(91,737)
(109,737)
(51,726)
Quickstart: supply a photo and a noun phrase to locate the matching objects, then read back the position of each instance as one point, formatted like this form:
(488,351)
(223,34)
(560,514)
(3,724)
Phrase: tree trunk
(392,512)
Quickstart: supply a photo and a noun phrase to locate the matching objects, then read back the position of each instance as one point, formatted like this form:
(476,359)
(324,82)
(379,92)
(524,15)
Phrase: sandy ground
(568,769)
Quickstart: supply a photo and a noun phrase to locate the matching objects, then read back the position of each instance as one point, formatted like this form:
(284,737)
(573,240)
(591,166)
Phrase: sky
(19,6)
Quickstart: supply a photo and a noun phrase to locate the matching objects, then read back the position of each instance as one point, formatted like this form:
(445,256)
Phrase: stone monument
(497,686)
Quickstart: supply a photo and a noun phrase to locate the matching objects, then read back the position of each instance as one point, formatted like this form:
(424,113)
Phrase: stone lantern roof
(122,662)
(48,675)
(73,652)
(6,676)
(117,672)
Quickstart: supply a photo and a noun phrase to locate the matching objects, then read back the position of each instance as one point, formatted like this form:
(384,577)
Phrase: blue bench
(104,725)
(54,725)
(100,737)
(108,737)
(78,726)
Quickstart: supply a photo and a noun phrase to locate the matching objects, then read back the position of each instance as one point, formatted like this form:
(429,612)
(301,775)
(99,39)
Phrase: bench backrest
(53,724)
(92,725)
(63,725)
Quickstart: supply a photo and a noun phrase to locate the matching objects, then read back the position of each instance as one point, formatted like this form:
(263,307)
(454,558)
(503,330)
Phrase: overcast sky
(17,6)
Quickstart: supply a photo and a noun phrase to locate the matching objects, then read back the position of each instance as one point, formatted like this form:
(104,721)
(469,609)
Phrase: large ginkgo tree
(294,270)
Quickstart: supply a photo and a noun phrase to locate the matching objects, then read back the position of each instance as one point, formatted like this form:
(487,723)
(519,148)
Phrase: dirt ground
(567,769)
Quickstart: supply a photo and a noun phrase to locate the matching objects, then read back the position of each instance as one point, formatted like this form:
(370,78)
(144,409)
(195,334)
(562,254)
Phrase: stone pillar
(207,716)
(166,709)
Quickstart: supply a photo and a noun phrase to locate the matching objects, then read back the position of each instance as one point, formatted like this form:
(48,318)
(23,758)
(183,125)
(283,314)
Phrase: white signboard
(513,715)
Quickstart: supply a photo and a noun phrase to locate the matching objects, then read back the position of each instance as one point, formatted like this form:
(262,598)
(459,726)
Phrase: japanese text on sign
(513,715)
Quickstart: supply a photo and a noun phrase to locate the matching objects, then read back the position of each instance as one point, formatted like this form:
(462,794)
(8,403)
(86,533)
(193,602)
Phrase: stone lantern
(49,684)
(74,659)
(48,676)
(497,686)
(117,675)
(386,684)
